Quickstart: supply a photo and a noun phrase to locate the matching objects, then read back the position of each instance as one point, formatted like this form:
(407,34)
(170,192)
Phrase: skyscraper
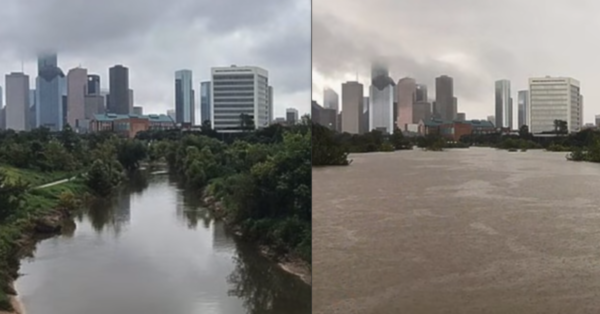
(50,88)
(184,98)
(291,115)
(138,110)
(523,103)
(381,102)
(352,103)
(421,93)
(554,98)
(407,89)
(17,101)
(77,80)
(171,114)
(131,100)
(205,90)
(239,92)
(364,117)
(32,108)
(118,100)
(444,98)
(93,84)
(503,105)
(421,111)
(331,99)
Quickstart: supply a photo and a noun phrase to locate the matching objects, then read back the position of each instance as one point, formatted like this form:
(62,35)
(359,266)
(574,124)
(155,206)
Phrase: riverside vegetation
(331,148)
(262,178)
(88,165)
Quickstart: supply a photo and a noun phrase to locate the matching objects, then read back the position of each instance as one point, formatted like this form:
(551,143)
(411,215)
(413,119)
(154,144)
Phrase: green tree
(524,132)
(11,195)
(130,153)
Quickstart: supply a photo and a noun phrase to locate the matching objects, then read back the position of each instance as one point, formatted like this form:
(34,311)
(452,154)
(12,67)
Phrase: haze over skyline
(475,42)
(156,38)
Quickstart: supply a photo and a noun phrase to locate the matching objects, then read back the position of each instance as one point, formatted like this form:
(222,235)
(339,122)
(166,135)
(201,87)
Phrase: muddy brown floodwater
(463,231)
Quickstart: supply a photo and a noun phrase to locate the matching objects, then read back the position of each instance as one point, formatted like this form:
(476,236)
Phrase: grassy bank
(18,228)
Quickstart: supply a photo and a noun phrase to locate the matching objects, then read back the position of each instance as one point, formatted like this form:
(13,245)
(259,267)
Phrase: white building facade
(554,98)
(236,91)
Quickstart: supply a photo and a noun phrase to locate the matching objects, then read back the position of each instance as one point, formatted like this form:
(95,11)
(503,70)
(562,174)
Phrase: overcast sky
(474,41)
(154,38)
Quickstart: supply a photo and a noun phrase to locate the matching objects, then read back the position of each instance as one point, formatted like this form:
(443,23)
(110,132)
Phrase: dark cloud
(474,41)
(155,38)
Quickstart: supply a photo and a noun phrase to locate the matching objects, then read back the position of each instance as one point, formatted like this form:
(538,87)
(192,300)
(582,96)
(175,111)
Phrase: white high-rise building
(17,101)
(504,113)
(554,98)
(237,91)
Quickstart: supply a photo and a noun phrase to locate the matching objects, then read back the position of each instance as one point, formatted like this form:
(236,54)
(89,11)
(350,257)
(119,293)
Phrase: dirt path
(47,185)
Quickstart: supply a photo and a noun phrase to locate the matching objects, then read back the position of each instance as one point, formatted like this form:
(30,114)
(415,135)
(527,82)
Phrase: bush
(326,150)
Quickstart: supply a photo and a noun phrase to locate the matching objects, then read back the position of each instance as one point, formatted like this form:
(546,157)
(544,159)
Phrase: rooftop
(106,117)
(474,123)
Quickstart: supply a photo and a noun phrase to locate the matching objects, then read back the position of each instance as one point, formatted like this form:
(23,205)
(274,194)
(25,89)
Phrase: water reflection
(138,182)
(154,250)
(190,209)
(113,212)
(264,288)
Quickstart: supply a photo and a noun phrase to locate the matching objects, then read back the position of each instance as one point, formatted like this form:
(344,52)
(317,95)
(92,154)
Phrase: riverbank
(44,212)
(287,262)
(36,230)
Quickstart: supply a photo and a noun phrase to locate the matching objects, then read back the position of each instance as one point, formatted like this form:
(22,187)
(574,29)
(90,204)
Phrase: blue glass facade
(205,105)
(50,89)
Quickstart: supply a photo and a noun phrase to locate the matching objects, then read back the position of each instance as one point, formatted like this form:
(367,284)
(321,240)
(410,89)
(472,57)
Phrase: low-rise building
(160,122)
(454,130)
(130,125)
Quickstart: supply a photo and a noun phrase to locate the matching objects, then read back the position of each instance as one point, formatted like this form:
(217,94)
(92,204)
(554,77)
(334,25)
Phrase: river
(154,249)
(462,231)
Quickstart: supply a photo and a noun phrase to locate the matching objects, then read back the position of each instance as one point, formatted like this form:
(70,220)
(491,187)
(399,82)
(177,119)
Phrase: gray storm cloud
(154,38)
(474,41)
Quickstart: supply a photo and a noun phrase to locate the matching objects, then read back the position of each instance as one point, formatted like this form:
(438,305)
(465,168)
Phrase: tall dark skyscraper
(119,90)
(93,84)
(444,98)
(421,93)
(205,89)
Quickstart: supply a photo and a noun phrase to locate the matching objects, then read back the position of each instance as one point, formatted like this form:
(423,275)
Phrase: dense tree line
(331,148)
(100,157)
(263,179)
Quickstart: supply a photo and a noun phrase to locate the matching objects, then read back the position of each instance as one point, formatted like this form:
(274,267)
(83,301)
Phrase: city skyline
(150,48)
(345,42)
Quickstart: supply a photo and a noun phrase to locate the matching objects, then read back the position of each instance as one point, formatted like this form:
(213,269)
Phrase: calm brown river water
(463,231)
(154,249)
